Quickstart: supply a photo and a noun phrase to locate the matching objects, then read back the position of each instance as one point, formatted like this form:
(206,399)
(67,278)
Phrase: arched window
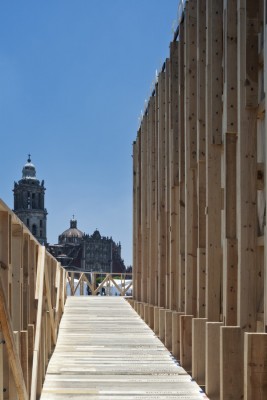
(34,229)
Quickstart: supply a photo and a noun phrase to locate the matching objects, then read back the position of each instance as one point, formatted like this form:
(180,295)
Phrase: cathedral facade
(75,249)
(29,202)
(90,253)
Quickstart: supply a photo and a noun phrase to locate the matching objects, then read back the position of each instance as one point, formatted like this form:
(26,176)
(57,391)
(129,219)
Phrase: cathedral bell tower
(29,196)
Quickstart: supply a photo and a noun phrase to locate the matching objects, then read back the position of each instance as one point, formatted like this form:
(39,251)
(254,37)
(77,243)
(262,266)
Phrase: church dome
(71,235)
(29,171)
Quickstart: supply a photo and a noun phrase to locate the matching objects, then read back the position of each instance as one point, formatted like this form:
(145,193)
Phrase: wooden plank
(153,198)
(230,282)
(13,392)
(30,351)
(37,341)
(181,202)
(5,245)
(176,334)
(168,330)
(231,362)
(151,317)
(1,366)
(201,158)
(92,361)
(174,175)
(16,273)
(212,373)
(186,341)
(199,349)
(156,319)
(247,163)
(162,326)
(162,221)
(50,309)
(24,356)
(191,219)
(13,356)
(214,89)
(255,385)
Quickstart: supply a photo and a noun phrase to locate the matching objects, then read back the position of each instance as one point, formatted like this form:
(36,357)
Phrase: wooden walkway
(105,351)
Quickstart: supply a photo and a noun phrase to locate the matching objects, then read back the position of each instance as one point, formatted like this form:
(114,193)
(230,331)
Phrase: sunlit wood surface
(105,351)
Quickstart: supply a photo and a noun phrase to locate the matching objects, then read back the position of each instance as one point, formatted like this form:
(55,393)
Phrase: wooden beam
(212,373)
(186,341)
(191,220)
(176,334)
(214,90)
(38,330)
(255,366)
(247,162)
(231,361)
(201,158)
(199,349)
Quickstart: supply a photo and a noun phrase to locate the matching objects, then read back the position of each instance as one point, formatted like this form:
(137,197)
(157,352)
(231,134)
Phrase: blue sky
(74,75)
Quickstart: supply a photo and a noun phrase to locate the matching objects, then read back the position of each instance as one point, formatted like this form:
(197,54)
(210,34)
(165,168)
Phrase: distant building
(29,199)
(77,250)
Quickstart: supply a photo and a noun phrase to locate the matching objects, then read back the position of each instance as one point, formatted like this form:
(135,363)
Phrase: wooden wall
(199,197)
(32,297)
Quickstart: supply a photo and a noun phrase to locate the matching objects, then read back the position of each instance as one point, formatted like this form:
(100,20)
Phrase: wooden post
(13,390)
(255,366)
(181,202)
(199,349)
(162,222)
(212,373)
(30,351)
(231,382)
(156,320)
(153,199)
(229,165)
(162,327)
(1,366)
(191,219)
(24,356)
(176,334)
(146,308)
(168,329)
(201,158)
(247,51)
(214,90)
(186,341)
(37,341)
(151,317)
(174,176)
(16,294)
(13,356)
(144,228)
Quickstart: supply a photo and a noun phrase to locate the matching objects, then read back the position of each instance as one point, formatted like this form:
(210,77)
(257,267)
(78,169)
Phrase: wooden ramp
(106,351)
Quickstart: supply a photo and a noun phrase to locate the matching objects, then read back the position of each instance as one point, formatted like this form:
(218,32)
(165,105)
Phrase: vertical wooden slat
(181,141)
(201,158)
(191,219)
(214,89)
(247,162)
(174,176)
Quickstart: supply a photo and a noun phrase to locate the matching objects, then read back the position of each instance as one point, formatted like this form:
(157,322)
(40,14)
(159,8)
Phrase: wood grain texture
(105,351)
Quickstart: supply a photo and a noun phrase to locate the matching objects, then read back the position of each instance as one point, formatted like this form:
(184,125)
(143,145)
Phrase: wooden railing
(99,283)
(32,297)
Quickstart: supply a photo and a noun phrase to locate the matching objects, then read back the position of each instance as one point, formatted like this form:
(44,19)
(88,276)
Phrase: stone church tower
(29,196)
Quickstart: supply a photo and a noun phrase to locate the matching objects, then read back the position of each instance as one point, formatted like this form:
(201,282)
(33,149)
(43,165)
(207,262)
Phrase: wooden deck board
(105,351)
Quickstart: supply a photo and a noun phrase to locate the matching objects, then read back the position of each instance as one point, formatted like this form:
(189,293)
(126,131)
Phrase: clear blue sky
(74,75)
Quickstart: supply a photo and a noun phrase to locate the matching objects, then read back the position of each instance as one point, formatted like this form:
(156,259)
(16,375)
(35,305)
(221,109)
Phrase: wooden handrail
(28,273)
(106,278)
